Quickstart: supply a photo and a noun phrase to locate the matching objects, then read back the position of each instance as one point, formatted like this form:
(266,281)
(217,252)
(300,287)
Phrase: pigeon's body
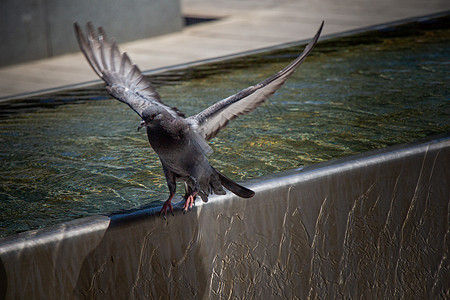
(181,155)
(179,142)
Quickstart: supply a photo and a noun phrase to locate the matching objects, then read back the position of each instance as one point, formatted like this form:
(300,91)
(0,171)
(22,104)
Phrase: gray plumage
(179,142)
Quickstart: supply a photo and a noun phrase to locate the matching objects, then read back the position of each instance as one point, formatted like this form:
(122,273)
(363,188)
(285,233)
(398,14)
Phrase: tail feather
(237,189)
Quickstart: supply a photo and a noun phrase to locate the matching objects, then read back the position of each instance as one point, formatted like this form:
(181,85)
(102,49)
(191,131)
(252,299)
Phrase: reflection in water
(59,162)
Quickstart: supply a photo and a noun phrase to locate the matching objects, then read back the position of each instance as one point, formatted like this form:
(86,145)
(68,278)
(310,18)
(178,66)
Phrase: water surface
(77,153)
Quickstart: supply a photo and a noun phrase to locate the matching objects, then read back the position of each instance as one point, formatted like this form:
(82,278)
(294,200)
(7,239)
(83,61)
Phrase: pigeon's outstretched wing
(210,121)
(124,80)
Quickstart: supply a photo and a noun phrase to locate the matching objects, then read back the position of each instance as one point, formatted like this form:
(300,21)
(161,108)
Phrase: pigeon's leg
(187,190)
(190,200)
(171,184)
(192,188)
(167,204)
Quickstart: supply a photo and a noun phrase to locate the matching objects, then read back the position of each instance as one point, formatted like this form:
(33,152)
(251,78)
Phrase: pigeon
(179,141)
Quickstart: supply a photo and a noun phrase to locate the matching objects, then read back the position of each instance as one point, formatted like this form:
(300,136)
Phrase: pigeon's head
(153,115)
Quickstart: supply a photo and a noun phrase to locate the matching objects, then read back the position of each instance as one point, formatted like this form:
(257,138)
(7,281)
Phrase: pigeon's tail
(234,187)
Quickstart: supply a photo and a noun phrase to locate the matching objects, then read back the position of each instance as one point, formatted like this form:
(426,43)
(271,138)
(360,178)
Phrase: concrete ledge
(34,29)
(373,225)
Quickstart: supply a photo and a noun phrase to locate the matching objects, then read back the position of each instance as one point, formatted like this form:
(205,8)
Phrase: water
(77,153)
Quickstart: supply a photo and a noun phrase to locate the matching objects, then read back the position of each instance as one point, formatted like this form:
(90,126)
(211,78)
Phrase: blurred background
(33,29)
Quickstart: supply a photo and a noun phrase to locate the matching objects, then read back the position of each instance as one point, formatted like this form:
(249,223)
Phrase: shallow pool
(77,153)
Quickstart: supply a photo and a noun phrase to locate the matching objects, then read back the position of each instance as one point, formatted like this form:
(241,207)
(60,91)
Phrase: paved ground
(244,25)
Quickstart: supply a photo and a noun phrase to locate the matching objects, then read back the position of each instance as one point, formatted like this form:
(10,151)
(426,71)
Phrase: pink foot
(189,202)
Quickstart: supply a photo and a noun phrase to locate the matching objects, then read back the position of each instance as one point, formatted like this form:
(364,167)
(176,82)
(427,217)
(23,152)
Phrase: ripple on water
(59,162)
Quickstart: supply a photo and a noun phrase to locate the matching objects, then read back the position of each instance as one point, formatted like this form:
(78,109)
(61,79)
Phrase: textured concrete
(244,26)
(370,226)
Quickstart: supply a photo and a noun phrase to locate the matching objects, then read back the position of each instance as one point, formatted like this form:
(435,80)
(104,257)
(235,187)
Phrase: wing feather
(124,80)
(210,121)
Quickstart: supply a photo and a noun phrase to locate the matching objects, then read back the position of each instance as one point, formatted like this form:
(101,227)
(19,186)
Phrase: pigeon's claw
(167,205)
(189,202)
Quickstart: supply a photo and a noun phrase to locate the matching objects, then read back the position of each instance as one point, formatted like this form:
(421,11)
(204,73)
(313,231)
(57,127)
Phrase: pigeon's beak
(141,125)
